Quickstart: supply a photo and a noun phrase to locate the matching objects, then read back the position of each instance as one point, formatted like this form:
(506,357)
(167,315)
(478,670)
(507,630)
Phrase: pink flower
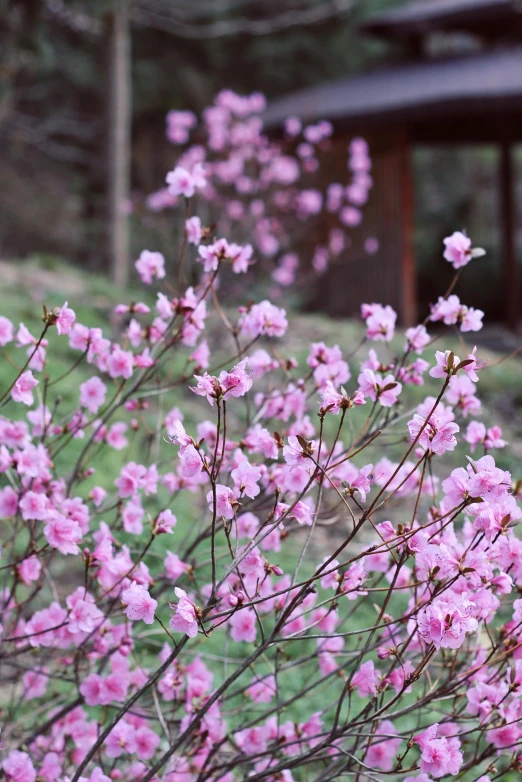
(237,382)
(445,623)
(243,625)
(96,776)
(165,522)
(6,331)
(263,319)
(224,501)
(146,742)
(262,690)
(97,495)
(437,436)
(193,230)
(120,363)
(174,567)
(384,390)
(131,479)
(18,767)
(150,266)
(51,768)
(35,683)
(443,366)
(63,534)
(84,614)
(29,570)
(245,477)
(365,680)
(22,390)
(8,502)
(416,338)
(65,320)
(185,618)
(92,394)
(182,182)
(34,506)
(382,752)
(380,321)
(138,604)
(439,755)
(458,250)
(121,740)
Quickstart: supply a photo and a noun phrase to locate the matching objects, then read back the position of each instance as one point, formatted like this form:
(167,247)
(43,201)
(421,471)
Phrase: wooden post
(507,218)
(119,142)
(409,285)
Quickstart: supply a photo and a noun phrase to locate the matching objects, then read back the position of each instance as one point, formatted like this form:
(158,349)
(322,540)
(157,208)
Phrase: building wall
(388,275)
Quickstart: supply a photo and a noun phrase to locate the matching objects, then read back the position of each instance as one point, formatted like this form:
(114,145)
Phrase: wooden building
(459,82)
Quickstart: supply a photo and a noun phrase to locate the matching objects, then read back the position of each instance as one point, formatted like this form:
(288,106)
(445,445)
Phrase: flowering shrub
(255,187)
(259,593)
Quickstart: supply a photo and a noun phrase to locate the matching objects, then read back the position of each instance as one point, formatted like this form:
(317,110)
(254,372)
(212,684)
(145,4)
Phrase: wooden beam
(507,218)
(408,312)
(119,137)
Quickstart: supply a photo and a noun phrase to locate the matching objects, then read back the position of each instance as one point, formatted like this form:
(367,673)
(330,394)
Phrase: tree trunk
(119,141)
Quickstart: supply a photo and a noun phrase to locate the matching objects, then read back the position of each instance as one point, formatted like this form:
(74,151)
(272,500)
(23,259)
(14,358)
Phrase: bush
(250,597)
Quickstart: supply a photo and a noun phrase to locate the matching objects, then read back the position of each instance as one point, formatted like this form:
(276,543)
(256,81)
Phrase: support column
(508,222)
(119,147)
(409,284)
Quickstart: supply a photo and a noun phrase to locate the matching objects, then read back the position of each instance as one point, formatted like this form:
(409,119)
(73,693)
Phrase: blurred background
(435,86)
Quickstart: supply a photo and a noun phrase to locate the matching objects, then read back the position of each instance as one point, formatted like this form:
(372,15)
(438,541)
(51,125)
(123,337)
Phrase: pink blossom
(35,683)
(84,614)
(263,319)
(6,331)
(22,390)
(121,740)
(224,501)
(150,266)
(262,690)
(243,626)
(174,567)
(445,623)
(65,320)
(380,321)
(365,680)
(382,752)
(246,477)
(120,363)
(138,604)
(63,534)
(8,502)
(92,394)
(385,390)
(193,230)
(132,517)
(439,755)
(29,570)
(182,182)
(18,767)
(34,505)
(165,522)
(416,338)
(458,250)
(437,435)
(185,618)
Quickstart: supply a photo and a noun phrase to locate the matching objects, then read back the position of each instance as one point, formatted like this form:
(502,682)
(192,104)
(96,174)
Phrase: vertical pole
(119,142)
(507,217)
(409,286)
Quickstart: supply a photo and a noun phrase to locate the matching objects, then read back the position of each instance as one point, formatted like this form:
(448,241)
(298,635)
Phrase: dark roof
(420,16)
(444,89)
